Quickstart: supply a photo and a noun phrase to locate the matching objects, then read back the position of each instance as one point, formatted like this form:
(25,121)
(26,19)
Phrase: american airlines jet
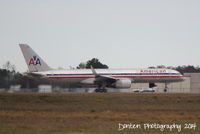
(103,78)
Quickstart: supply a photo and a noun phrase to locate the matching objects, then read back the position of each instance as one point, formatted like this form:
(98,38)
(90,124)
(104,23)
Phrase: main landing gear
(101,89)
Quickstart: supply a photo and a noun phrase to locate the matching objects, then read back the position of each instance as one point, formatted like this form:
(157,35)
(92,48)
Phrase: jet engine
(122,83)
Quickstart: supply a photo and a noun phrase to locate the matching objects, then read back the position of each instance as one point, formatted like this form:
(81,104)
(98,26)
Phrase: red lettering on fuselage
(152,71)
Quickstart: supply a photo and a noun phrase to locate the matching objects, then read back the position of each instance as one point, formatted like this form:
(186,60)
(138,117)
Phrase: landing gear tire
(98,90)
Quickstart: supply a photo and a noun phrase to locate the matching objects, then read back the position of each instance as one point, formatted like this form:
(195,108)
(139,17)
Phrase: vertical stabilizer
(34,62)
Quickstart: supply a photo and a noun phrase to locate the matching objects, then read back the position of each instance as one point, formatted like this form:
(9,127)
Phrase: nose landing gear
(166,88)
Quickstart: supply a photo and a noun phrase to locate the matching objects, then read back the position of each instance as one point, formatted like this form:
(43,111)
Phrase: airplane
(102,78)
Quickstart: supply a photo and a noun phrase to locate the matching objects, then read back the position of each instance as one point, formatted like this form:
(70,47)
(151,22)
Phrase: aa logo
(34,61)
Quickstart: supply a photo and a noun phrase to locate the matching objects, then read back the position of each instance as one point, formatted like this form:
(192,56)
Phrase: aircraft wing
(102,79)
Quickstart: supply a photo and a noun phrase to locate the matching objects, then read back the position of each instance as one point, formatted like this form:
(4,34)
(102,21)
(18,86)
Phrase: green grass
(77,113)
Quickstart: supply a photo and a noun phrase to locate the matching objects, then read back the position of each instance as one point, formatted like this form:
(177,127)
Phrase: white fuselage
(135,75)
(102,78)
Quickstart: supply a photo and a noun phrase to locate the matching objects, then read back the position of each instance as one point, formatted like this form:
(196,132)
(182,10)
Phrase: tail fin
(33,61)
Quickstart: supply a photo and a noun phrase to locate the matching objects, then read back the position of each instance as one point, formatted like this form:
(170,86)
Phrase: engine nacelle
(122,83)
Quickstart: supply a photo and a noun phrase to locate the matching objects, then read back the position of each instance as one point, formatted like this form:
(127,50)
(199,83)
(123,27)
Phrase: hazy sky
(120,33)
